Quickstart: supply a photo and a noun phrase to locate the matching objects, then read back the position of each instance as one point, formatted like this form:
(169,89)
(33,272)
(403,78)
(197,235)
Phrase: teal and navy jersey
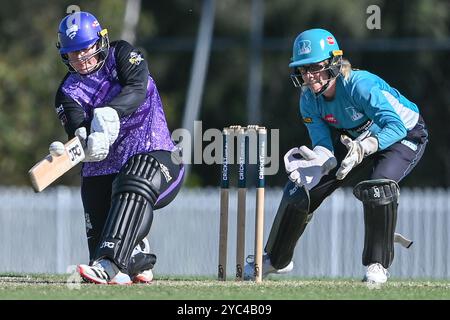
(362,102)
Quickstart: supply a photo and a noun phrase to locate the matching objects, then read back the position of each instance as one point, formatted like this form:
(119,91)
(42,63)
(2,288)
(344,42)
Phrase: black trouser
(395,163)
(96,196)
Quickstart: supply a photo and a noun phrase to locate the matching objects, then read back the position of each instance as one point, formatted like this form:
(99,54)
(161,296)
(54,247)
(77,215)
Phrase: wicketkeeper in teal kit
(382,138)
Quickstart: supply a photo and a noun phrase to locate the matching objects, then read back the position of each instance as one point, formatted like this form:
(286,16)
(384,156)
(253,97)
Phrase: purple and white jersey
(143,130)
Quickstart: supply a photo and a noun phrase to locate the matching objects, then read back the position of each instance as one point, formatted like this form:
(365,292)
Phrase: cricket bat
(51,167)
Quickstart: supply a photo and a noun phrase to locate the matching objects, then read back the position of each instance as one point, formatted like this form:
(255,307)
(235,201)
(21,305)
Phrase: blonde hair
(346,68)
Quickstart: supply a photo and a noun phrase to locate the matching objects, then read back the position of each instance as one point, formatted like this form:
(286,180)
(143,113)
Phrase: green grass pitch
(68,287)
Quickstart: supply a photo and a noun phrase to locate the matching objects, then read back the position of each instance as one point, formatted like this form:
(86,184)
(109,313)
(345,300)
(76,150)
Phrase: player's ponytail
(346,68)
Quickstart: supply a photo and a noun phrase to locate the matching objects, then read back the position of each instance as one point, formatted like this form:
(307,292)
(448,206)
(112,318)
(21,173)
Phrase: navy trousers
(395,163)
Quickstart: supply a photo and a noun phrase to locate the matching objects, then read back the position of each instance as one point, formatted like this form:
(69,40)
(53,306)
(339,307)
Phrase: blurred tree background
(411,51)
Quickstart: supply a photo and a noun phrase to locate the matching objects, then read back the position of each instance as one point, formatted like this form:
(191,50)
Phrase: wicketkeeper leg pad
(134,193)
(290,222)
(380,201)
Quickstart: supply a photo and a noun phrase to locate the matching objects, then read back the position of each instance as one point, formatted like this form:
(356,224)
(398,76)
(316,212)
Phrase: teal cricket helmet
(313,46)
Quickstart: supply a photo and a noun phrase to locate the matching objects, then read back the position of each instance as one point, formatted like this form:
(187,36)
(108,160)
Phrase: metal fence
(45,233)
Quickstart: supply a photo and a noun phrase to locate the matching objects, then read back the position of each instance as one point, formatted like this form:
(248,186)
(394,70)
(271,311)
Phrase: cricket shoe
(249,268)
(141,263)
(97,273)
(376,274)
(145,277)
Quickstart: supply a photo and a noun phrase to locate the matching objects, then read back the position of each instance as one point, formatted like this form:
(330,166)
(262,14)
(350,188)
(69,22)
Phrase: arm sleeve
(375,105)
(132,71)
(318,130)
(70,113)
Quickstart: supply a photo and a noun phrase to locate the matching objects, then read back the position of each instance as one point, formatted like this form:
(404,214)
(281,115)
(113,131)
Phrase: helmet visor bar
(313,69)
(296,77)
(101,52)
(87,57)
(297,80)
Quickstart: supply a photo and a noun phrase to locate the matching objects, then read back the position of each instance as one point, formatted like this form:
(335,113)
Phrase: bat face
(51,168)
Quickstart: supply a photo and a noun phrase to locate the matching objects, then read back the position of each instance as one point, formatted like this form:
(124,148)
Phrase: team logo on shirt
(330,118)
(354,115)
(307,120)
(135,58)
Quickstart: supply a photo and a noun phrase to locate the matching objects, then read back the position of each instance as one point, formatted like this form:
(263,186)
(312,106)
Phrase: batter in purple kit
(132,167)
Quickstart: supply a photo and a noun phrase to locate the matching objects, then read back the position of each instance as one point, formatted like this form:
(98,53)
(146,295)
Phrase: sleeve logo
(59,110)
(307,120)
(62,116)
(135,58)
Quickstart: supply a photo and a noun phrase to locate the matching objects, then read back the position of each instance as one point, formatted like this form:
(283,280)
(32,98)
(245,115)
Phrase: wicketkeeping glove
(306,167)
(357,150)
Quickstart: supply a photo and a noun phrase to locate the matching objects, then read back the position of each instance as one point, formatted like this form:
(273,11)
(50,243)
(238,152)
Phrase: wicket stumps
(243,139)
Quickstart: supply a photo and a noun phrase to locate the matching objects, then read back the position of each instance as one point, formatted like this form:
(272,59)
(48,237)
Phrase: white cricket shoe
(376,274)
(97,274)
(121,279)
(249,273)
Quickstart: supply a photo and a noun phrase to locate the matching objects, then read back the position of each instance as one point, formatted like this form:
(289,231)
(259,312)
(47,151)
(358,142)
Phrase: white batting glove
(106,120)
(311,167)
(357,150)
(81,133)
(96,145)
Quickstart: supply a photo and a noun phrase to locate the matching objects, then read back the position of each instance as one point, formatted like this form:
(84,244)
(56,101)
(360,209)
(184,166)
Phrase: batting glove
(96,145)
(106,120)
